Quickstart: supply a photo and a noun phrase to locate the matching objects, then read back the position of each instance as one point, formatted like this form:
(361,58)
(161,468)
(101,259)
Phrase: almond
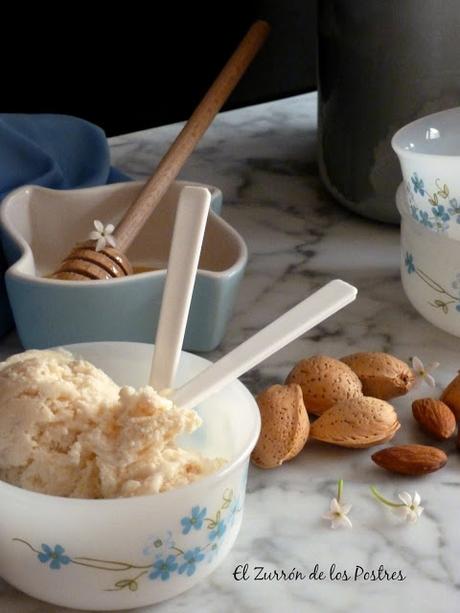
(324,382)
(451,396)
(356,423)
(285,425)
(412,460)
(381,374)
(434,417)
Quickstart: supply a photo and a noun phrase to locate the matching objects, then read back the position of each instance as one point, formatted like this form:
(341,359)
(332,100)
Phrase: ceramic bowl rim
(99,503)
(402,133)
(12,271)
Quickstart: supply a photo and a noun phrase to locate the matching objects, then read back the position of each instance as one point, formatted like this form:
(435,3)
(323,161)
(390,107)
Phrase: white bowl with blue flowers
(429,153)
(129,552)
(430,270)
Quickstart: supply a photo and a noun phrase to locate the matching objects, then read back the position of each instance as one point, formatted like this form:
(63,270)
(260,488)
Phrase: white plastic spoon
(304,316)
(189,227)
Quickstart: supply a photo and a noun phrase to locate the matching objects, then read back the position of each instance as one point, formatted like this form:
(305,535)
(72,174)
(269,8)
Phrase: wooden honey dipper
(85,263)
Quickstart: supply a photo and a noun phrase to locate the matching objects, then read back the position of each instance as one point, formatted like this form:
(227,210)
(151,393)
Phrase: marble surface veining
(263,159)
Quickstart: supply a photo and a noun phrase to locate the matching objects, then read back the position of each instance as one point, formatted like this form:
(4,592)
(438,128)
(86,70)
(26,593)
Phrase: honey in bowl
(137,270)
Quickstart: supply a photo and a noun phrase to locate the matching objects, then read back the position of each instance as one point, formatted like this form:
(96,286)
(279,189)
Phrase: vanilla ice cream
(67,429)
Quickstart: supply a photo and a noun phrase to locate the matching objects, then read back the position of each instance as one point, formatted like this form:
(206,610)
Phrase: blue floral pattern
(194,521)
(409,262)
(55,556)
(418,184)
(440,215)
(192,557)
(424,219)
(165,557)
(445,297)
(218,531)
(163,568)
(454,209)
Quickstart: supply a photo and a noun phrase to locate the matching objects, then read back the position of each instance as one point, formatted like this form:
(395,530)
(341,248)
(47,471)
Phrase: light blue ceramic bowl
(39,225)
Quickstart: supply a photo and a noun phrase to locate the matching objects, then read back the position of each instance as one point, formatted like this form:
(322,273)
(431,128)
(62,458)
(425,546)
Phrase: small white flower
(337,514)
(410,510)
(102,235)
(422,373)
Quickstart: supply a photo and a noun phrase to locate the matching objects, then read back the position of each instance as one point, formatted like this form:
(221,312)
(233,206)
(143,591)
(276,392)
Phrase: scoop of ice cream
(134,446)
(67,429)
(47,399)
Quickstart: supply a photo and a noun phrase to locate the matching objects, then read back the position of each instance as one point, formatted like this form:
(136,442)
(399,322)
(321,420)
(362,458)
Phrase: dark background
(140,66)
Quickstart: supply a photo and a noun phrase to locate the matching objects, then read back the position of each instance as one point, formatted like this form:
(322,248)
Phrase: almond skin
(414,460)
(434,417)
(324,382)
(381,374)
(451,396)
(356,423)
(285,425)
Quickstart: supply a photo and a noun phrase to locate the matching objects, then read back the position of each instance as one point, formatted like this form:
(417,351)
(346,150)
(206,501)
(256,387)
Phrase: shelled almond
(324,382)
(434,417)
(382,375)
(356,423)
(414,460)
(451,396)
(285,425)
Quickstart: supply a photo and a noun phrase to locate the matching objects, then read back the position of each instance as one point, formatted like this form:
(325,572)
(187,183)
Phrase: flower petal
(98,225)
(100,244)
(417,364)
(346,522)
(109,228)
(329,516)
(430,380)
(416,499)
(94,235)
(419,510)
(346,508)
(405,497)
(334,507)
(46,548)
(111,240)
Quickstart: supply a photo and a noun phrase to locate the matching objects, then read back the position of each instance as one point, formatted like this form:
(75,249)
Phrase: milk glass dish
(129,552)
(430,270)
(40,225)
(429,154)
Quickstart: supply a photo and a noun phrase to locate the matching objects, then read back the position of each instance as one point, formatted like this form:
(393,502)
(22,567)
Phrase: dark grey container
(382,64)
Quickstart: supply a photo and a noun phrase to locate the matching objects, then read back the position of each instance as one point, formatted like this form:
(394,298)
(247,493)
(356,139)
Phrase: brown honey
(137,270)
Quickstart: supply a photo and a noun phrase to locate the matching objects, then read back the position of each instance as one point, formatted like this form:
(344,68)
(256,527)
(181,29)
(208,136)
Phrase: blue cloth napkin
(57,151)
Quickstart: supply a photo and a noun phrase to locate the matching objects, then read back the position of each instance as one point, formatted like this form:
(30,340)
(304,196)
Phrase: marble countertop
(263,159)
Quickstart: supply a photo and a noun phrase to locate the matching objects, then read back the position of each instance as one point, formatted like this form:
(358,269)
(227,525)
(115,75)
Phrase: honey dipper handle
(189,136)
